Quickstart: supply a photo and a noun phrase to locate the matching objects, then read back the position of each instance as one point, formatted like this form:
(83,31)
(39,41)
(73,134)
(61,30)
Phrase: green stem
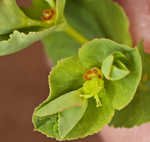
(52,4)
(75,34)
(38,23)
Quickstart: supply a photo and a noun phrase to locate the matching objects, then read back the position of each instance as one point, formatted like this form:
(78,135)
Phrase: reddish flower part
(48,14)
(94,72)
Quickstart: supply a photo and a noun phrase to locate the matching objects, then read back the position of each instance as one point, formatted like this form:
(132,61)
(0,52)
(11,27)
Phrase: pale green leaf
(19,40)
(64,102)
(49,125)
(69,118)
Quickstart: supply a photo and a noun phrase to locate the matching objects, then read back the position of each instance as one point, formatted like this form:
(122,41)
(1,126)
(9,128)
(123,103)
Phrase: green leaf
(12,18)
(66,76)
(94,119)
(111,18)
(76,15)
(114,69)
(49,119)
(59,45)
(69,118)
(18,40)
(47,126)
(76,122)
(121,92)
(64,102)
(137,112)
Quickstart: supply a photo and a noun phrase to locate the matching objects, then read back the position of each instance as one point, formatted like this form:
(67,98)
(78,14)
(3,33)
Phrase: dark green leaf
(82,20)
(111,19)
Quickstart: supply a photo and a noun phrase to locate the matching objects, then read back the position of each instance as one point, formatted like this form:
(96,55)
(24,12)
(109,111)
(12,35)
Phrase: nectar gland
(48,15)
